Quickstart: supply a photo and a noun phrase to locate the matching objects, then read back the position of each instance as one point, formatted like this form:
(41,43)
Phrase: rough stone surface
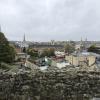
(57,85)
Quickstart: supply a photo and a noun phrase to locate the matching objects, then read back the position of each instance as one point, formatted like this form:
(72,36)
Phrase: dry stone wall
(49,86)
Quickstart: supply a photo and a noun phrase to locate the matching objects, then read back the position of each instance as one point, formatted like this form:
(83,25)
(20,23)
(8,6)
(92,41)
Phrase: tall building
(52,42)
(24,43)
(24,38)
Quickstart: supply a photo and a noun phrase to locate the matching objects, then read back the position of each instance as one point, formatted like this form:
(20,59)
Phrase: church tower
(24,44)
(81,45)
(86,43)
(81,42)
(24,39)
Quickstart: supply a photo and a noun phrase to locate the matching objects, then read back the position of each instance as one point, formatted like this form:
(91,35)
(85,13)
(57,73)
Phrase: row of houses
(61,59)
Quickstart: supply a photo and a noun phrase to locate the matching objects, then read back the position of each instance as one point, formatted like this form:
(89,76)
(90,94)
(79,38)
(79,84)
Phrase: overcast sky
(44,20)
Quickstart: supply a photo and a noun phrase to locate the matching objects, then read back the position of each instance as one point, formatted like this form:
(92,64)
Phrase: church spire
(81,42)
(24,39)
(86,39)
(81,39)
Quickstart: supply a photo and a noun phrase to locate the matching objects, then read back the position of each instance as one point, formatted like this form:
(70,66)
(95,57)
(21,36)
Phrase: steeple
(81,42)
(24,38)
(86,43)
(86,39)
(81,39)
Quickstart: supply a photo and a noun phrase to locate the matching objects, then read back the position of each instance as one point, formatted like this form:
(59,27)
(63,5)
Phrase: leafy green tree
(48,52)
(69,48)
(94,49)
(33,53)
(12,53)
(3,39)
(24,50)
(7,52)
(51,52)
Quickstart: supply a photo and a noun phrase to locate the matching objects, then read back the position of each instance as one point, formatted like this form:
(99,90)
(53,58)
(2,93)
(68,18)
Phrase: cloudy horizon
(45,20)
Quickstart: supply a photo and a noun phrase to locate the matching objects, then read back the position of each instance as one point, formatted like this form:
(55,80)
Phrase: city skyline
(45,20)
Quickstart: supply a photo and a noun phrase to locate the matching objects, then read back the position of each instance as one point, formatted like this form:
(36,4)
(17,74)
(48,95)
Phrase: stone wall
(49,86)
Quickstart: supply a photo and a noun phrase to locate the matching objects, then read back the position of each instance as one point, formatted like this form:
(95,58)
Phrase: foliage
(33,53)
(69,48)
(5,66)
(7,52)
(48,52)
(24,50)
(94,49)
(3,39)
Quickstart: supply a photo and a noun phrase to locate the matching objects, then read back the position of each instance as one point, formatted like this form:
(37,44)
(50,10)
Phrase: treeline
(94,49)
(7,52)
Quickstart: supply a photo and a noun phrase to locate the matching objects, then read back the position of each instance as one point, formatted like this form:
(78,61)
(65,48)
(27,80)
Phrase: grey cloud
(43,20)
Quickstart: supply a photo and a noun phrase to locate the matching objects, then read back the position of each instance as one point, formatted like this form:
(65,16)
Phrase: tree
(7,52)
(3,39)
(69,48)
(33,53)
(51,52)
(48,52)
(24,50)
(94,49)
